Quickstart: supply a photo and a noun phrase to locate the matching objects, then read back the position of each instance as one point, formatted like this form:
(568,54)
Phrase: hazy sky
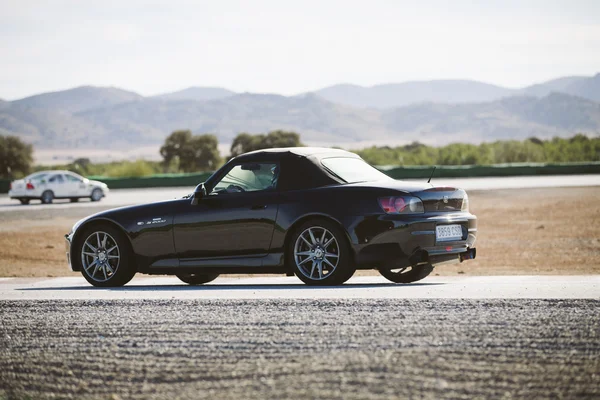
(290,47)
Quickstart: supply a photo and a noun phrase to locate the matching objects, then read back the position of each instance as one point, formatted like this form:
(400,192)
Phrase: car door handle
(259,207)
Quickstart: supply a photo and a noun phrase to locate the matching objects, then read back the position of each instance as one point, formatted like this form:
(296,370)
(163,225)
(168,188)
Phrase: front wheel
(320,254)
(105,256)
(407,274)
(197,279)
(96,195)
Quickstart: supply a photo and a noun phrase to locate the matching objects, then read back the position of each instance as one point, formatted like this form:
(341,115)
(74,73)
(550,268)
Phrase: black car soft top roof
(308,152)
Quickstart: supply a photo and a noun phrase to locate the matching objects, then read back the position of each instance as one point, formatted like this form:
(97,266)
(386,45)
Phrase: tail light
(30,186)
(401,205)
(10,186)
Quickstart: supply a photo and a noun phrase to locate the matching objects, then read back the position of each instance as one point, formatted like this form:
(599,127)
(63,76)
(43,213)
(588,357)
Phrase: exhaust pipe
(468,255)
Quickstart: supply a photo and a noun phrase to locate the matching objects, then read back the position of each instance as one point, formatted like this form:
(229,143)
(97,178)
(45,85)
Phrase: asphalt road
(290,288)
(120,197)
(300,349)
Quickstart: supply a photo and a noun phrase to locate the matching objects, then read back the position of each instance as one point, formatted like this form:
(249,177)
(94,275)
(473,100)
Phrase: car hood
(98,183)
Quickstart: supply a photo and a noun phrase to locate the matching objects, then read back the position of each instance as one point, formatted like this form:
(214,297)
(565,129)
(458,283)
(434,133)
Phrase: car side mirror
(199,193)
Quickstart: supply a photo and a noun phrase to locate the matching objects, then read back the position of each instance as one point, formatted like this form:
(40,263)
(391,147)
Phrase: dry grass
(537,231)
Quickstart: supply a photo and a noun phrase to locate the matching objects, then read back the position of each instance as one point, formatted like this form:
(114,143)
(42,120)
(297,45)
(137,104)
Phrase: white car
(49,185)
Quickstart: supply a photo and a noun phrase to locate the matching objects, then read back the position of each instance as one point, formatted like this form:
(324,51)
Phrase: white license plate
(448,232)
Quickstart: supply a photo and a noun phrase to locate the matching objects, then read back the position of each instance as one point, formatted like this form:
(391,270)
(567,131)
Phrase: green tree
(16,157)
(191,152)
(245,142)
(174,145)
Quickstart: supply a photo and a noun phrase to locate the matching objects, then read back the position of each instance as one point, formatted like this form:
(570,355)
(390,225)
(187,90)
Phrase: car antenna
(431,176)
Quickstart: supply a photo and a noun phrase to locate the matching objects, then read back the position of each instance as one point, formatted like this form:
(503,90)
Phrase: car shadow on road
(217,287)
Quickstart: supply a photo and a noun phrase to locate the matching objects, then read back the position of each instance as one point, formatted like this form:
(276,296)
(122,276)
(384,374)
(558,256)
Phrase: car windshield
(353,170)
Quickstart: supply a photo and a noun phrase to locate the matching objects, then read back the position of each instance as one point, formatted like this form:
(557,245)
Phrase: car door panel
(226,225)
(59,185)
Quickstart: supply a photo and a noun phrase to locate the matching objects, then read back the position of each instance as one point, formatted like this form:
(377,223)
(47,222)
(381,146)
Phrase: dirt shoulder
(520,232)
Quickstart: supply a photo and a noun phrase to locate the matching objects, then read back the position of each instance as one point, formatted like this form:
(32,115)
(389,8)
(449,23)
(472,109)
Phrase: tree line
(579,148)
(183,151)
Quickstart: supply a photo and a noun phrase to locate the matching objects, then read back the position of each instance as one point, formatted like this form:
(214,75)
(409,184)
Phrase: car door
(59,186)
(235,218)
(77,187)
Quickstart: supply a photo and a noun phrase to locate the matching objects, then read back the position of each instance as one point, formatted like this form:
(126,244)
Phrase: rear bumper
(22,195)
(384,239)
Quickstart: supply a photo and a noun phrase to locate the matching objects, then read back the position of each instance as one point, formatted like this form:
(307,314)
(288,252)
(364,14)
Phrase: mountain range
(435,112)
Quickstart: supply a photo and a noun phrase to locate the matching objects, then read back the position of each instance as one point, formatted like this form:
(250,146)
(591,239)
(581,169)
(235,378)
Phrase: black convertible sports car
(315,212)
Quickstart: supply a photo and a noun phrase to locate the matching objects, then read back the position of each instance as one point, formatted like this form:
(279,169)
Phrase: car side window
(71,178)
(56,179)
(248,177)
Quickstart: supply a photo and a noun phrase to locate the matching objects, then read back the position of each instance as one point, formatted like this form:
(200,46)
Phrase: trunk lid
(434,198)
(441,199)
(19,184)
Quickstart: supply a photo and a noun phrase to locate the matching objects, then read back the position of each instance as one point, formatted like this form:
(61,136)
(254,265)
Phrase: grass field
(521,232)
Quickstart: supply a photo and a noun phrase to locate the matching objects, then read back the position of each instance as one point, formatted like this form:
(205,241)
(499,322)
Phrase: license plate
(448,232)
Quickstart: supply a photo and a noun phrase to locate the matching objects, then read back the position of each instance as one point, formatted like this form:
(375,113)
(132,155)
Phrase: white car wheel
(47,197)
(96,195)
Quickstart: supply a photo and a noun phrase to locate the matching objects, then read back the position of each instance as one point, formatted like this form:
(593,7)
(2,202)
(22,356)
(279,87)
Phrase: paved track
(120,197)
(300,349)
(273,338)
(366,287)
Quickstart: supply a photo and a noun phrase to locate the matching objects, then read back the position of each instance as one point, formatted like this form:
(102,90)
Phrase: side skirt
(270,263)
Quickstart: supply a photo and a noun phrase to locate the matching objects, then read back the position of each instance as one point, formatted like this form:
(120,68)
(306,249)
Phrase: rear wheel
(197,279)
(24,201)
(96,195)
(47,197)
(407,274)
(320,254)
(105,256)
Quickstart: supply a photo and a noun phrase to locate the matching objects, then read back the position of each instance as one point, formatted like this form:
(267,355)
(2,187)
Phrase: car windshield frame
(371,174)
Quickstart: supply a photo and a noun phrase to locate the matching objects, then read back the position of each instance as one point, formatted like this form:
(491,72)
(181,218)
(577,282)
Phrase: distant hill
(554,85)
(452,92)
(50,128)
(402,94)
(197,93)
(588,88)
(516,117)
(148,121)
(79,99)
(111,118)
(317,119)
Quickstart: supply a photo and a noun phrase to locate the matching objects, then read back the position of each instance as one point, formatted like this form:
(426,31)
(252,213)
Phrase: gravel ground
(347,349)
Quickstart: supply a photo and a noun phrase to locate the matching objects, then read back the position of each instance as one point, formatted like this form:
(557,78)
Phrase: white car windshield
(353,170)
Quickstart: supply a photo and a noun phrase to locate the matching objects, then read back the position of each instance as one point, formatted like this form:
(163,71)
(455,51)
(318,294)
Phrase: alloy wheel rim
(400,271)
(316,253)
(96,194)
(100,256)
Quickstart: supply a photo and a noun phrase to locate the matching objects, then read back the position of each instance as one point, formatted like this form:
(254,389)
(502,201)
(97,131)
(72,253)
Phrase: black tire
(96,195)
(124,269)
(47,197)
(74,199)
(24,201)
(197,279)
(345,267)
(407,275)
